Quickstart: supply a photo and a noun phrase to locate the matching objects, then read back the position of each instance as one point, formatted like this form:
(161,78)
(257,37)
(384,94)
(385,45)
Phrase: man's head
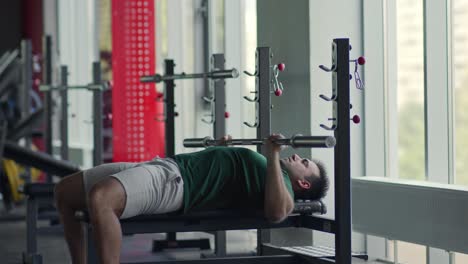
(308,177)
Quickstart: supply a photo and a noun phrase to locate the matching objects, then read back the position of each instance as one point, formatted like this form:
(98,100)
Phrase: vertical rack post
(27,76)
(169,128)
(64,112)
(219,126)
(24,93)
(31,227)
(219,130)
(170,113)
(47,80)
(341,110)
(97,113)
(263,56)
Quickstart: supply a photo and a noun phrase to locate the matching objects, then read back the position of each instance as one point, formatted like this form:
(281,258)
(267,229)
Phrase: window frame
(379,26)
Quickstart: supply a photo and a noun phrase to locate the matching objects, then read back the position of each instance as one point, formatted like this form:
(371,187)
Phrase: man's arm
(278,202)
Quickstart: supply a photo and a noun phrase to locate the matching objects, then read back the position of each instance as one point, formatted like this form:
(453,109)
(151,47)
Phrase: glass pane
(460,83)
(461,258)
(249,28)
(410,74)
(409,253)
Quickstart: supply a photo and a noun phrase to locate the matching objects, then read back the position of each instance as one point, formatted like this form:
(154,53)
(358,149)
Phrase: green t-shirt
(224,177)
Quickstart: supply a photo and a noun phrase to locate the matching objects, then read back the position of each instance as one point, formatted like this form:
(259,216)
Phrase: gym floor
(135,248)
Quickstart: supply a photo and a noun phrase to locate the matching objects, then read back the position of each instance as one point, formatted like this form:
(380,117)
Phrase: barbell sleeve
(198,142)
(232,73)
(223,74)
(295,142)
(151,78)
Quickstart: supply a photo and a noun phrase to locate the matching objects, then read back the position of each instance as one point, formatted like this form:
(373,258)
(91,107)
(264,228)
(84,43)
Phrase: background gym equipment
(97,87)
(20,112)
(295,142)
(218,115)
(41,194)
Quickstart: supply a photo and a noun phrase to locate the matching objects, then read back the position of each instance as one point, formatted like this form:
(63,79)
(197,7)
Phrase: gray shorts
(152,187)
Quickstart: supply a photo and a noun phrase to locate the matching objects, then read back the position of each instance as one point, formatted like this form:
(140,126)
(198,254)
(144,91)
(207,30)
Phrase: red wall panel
(137,136)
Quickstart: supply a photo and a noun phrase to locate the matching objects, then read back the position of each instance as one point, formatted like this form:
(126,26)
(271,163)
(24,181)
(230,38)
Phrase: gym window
(410,89)
(459,40)
(426,71)
(418,125)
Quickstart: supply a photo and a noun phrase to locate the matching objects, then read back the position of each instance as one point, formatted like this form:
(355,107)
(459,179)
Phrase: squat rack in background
(218,103)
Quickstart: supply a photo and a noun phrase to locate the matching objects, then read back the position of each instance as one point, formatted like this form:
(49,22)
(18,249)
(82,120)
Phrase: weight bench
(215,221)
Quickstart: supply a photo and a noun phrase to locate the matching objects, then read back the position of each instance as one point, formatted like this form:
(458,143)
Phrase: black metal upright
(47,80)
(219,126)
(64,112)
(27,78)
(205,11)
(263,61)
(169,126)
(97,114)
(170,111)
(341,111)
(263,69)
(24,93)
(219,130)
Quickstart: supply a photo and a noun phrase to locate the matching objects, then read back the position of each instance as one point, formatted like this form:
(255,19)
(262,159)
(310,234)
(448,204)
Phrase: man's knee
(108,194)
(68,193)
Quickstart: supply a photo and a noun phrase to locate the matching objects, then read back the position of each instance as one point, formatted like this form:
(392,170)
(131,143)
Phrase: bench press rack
(217,106)
(235,220)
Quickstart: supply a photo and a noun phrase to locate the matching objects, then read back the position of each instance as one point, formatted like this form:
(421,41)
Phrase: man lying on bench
(215,178)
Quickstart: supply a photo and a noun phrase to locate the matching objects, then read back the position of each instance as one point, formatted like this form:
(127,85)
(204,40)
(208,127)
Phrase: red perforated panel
(137,136)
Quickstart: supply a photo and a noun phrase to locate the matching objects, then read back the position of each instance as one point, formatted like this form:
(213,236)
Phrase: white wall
(78,45)
(240,44)
(291,113)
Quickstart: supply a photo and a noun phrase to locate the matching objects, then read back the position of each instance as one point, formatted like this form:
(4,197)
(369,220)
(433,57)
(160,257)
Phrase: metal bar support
(47,80)
(263,61)
(31,226)
(97,115)
(342,154)
(24,93)
(219,130)
(170,111)
(64,113)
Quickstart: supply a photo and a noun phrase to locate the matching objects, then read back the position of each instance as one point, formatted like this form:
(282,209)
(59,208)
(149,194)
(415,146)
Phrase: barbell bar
(295,142)
(91,86)
(157,78)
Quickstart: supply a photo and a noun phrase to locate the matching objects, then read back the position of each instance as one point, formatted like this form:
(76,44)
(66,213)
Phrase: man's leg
(106,204)
(70,197)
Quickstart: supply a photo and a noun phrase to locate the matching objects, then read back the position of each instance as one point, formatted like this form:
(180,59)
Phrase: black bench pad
(301,207)
(206,221)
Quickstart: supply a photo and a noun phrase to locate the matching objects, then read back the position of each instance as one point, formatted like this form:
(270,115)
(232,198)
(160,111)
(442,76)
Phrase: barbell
(297,141)
(231,73)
